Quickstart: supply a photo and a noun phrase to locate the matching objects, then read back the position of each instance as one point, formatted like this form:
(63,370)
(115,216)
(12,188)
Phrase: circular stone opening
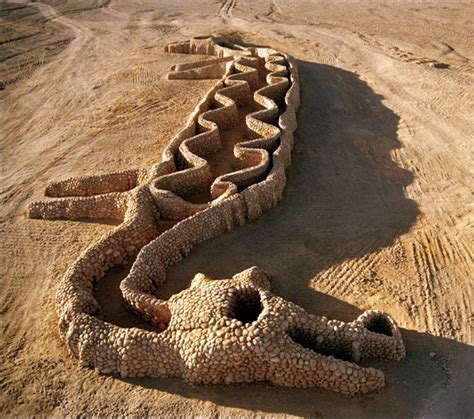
(379,324)
(245,305)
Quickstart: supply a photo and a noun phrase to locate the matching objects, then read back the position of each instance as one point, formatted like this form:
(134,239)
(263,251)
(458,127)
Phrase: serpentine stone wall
(216,331)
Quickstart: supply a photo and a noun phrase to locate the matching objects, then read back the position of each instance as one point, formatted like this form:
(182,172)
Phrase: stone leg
(108,206)
(95,185)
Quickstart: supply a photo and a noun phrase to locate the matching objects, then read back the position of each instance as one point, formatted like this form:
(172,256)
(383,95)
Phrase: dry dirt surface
(377,212)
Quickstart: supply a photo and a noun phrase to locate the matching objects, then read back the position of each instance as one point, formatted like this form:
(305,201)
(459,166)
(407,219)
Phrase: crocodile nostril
(245,305)
(378,323)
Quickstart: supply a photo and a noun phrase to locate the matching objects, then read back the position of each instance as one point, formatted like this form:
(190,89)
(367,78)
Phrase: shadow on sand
(344,199)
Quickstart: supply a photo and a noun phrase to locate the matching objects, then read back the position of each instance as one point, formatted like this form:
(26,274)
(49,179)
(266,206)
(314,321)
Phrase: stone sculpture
(223,169)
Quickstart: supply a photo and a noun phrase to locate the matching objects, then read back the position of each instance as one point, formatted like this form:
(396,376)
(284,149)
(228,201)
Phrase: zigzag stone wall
(216,331)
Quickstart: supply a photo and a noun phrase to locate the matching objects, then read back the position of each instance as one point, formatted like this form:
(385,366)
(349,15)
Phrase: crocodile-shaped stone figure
(223,169)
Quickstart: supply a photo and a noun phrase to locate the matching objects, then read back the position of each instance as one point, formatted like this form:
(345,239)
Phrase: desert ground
(377,213)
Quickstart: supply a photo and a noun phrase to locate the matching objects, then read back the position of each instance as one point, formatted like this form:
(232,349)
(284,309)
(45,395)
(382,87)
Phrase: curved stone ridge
(224,168)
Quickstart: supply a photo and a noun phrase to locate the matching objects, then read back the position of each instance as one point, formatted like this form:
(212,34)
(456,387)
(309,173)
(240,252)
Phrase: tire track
(432,253)
(225,10)
(338,279)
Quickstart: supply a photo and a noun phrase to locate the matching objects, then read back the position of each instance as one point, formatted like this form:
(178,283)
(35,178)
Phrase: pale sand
(375,214)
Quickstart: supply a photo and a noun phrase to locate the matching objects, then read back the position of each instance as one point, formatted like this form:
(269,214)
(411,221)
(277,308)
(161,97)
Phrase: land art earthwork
(225,168)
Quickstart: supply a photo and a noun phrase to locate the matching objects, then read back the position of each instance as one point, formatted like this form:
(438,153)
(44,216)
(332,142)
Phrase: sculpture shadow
(344,199)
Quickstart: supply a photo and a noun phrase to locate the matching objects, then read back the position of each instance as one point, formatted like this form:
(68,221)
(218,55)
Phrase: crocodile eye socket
(245,305)
(378,323)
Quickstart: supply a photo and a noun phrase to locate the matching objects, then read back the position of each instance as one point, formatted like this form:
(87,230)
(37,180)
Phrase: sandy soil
(377,212)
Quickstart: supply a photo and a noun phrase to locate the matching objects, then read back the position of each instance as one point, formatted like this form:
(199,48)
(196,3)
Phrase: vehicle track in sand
(225,9)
